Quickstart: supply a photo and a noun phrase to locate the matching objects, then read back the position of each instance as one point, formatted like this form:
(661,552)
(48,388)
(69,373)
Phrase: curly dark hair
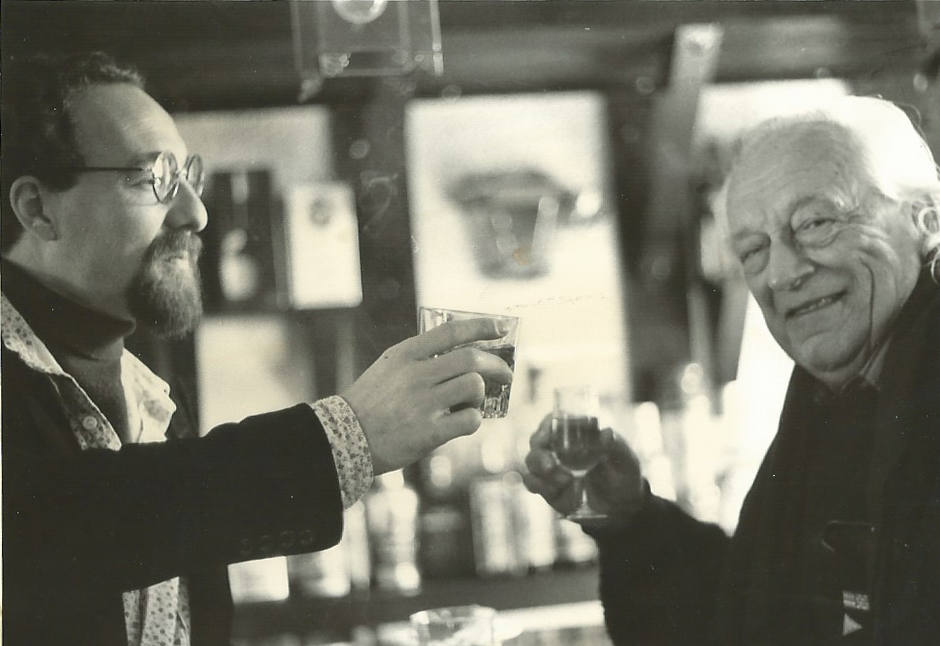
(38,132)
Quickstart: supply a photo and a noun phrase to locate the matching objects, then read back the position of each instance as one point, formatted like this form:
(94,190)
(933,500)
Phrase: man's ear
(26,198)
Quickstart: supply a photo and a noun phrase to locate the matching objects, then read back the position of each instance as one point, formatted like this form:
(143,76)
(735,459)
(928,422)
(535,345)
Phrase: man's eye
(748,253)
(751,259)
(814,223)
(139,178)
(816,232)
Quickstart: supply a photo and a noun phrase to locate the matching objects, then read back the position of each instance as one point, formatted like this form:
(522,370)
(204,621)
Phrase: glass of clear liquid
(496,399)
(576,442)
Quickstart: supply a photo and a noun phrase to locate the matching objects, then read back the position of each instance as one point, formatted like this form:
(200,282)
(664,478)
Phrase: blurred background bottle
(693,440)
(337,571)
(392,522)
(534,519)
(575,548)
(533,529)
(492,521)
(444,521)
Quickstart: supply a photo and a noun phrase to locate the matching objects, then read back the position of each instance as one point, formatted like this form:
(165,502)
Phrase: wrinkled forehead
(793,163)
(120,124)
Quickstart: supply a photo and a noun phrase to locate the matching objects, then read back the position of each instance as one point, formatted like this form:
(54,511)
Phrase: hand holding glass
(496,399)
(576,442)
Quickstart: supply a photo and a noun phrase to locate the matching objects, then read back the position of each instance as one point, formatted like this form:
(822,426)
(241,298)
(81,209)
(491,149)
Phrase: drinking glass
(496,398)
(576,441)
(471,625)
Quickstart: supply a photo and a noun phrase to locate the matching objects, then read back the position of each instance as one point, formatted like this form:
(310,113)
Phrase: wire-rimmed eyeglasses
(165,174)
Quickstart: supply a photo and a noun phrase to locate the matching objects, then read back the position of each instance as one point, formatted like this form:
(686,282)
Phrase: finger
(620,462)
(450,335)
(607,443)
(468,388)
(468,359)
(542,438)
(544,466)
(541,463)
(616,449)
(533,483)
(541,486)
(457,424)
(553,492)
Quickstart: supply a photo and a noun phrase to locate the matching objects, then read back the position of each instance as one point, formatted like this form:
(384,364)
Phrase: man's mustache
(176,243)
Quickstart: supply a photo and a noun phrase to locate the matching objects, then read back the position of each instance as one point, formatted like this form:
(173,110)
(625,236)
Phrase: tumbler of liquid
(496,399)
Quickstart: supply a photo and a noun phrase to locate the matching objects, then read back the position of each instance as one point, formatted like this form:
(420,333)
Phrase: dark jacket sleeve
(125,519)
(660,576)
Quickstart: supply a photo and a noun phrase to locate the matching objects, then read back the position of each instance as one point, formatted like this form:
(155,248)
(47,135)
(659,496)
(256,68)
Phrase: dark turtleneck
(87,344)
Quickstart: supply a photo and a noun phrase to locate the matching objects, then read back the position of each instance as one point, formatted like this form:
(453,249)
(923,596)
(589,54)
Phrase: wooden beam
(670,250)
(694,61)
(202,55)
(369,154)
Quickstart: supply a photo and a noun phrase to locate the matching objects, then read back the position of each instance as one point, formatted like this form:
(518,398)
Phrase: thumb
(618,455)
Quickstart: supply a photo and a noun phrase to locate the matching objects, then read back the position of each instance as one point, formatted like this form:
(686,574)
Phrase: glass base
(582,514)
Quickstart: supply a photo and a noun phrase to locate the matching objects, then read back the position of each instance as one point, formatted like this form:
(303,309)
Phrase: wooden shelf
(302,616)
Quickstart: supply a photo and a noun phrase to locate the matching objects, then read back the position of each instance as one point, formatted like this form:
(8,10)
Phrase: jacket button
(306,538)
(89,423)
(286,539)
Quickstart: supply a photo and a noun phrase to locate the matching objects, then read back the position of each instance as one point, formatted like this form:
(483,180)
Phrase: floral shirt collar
(150,407)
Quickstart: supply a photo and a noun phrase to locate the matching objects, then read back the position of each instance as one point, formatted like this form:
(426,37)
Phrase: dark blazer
(80,527)
(669,579)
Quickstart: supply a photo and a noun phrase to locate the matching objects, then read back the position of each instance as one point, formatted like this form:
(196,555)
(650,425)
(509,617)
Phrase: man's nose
(187,210)
(787,266)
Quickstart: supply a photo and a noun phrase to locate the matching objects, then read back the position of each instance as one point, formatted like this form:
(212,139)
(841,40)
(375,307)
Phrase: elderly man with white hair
(833,215)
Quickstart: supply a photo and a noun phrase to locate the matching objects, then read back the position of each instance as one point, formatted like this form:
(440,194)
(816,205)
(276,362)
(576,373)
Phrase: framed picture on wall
(322,243)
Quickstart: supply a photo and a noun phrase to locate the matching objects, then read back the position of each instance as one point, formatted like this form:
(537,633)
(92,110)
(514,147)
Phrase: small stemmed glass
(576,442)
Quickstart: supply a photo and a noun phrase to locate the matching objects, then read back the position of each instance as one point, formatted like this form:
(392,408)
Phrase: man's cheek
(846,251)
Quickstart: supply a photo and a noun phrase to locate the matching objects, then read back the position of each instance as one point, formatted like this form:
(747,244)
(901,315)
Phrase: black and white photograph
(470,322)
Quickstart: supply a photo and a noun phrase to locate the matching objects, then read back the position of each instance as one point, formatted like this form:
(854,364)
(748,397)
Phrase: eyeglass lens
(195,173)
(166,175)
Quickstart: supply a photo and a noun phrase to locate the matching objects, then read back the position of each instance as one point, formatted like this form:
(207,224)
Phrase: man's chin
(169,303)
(832,364)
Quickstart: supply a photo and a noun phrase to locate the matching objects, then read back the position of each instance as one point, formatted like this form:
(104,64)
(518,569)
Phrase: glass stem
(581,492)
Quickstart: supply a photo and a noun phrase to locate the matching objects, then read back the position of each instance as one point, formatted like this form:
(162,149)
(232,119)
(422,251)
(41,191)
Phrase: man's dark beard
(159,296)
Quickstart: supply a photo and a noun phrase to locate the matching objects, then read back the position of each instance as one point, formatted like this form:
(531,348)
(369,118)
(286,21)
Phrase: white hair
(894,155)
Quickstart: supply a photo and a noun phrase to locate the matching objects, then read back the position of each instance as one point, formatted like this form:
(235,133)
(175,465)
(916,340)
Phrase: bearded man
(112,535)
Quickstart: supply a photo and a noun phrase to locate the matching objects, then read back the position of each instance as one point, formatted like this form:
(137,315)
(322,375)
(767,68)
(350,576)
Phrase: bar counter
(571,624)
(556,607)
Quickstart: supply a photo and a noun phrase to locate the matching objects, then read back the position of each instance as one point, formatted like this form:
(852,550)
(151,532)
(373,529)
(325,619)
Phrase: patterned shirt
(159,614)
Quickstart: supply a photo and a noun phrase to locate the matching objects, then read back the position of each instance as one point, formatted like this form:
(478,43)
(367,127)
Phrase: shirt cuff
(349,445)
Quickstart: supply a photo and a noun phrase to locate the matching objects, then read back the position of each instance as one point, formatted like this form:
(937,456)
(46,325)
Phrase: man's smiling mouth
(814,305)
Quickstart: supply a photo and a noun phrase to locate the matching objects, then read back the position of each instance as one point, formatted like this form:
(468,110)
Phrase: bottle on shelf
(533,518)
(691,440)
(574,547)
(444,521)
(356,539)
(492,524)
(337,571)
(319,574)
(391,519)
(260,580)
